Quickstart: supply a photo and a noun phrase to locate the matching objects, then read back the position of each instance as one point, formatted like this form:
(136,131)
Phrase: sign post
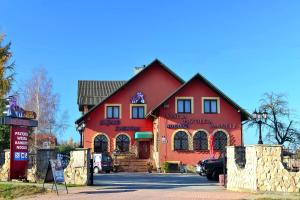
(18,152)
(55,174)
(19,121)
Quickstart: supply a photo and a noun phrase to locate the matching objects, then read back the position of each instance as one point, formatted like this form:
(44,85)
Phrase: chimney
(136,70)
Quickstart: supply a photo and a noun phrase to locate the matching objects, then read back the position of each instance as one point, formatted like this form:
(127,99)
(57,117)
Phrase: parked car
(102,163)
(211,168)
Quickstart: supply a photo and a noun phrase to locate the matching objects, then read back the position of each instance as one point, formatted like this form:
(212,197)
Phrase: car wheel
(96,170)
(209,176)
(215,175)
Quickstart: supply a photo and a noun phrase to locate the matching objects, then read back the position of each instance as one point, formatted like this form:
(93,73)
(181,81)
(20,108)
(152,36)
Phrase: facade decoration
(138,98)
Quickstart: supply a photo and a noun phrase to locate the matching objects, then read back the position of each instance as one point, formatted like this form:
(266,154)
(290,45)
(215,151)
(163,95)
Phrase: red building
(156,115)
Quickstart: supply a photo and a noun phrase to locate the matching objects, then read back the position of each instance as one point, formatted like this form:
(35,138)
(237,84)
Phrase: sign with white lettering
(19,151)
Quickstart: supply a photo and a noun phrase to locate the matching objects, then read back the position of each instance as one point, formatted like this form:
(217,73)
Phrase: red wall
(228,114)
(154,82)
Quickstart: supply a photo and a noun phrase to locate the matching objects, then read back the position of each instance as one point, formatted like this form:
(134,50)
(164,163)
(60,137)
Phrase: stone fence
(78,170)
(263,171)
(4,167)
(38,164)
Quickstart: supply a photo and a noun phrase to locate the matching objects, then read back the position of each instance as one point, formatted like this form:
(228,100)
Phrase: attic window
(210,105)
(112,111)
(184,105)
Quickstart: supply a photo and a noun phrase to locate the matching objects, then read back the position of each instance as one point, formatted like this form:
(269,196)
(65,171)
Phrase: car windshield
(106,158)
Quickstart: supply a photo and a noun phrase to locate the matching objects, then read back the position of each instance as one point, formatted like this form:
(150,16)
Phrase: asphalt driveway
(137,186)
(144,181)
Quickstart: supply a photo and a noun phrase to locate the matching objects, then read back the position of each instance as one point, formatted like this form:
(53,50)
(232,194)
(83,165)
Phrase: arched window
(200,141)
(100,144)
(220,140)
(122,143)
(181,141)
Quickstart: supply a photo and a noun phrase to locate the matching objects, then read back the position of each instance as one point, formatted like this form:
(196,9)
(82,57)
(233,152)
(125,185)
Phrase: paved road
(137,186)
(146,181)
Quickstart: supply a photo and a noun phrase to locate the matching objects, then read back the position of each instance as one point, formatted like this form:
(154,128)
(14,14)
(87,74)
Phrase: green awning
(143,135)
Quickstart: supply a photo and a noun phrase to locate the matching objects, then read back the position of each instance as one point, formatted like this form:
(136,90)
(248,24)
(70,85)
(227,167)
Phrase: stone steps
(133,165)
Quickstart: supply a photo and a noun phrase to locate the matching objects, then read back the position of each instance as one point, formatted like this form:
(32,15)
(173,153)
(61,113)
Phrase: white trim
(139,105)
(115,140)
(93,141)
(120,110)
(224,131)
(207,133)
(211,98)
(183,98)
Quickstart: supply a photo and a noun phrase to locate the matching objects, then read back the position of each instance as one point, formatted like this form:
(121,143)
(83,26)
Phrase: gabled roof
(93,92)
(245,114)
(129,81)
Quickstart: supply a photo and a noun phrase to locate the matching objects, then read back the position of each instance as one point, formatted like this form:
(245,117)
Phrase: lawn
(12,191)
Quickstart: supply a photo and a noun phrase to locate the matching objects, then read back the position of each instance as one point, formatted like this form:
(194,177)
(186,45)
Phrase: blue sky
(245,48)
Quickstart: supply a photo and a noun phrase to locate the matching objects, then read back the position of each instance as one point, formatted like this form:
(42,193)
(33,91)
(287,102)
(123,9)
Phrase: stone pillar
(241,177)
(4,169)
(78,170)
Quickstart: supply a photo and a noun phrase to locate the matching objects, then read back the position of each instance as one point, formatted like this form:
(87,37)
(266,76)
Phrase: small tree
(280,124)
(37,95)
(6,79)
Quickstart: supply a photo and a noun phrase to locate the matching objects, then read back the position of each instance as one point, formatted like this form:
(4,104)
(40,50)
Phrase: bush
(64,149)
(170,167)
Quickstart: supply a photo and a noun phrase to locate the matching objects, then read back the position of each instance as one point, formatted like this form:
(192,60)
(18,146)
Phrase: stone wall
(263,171)
(4,169)
(78,170)
(38,164)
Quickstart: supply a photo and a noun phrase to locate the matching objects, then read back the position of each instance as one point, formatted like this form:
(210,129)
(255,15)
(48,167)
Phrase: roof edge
(130,80)
(244,114)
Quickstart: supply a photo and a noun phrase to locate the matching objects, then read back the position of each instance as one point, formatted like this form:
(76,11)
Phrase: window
(220,140)
(181,141)
(112,112)
(184,105)
(137,111)
(100,144)
(210,106)
(122,143)
(200,141)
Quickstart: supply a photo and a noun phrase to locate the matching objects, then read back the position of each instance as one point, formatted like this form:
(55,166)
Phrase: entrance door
(144,149)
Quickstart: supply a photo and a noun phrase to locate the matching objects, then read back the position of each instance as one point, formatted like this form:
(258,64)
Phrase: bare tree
(280,124)
(37,95)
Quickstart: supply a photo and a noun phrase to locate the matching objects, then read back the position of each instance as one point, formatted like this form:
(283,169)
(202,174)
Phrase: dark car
(211,168)
(102,162)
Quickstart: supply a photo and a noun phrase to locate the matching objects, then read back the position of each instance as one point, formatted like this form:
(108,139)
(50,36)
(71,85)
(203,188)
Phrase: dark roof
(129,81)
(245,114)
(93,92)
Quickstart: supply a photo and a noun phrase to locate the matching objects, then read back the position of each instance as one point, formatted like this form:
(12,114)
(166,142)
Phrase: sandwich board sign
(55,174)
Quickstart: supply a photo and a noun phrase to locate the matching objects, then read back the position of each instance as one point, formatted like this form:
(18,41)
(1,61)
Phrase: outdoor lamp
(258,118)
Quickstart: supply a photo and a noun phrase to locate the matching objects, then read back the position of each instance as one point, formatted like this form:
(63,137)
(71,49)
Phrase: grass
(13,191)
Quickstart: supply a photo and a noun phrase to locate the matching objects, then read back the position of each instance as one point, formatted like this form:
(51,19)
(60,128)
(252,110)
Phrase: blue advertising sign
(20,156)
